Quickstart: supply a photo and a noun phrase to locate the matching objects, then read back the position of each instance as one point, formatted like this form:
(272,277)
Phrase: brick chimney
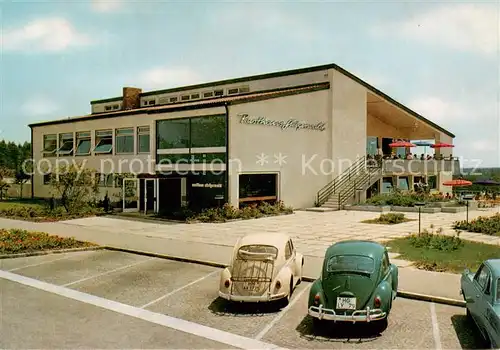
(131,98)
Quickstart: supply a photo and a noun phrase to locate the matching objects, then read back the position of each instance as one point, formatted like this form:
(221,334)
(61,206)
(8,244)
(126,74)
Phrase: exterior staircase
(343,189)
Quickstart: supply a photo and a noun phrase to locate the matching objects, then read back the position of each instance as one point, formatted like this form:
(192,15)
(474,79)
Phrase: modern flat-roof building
(301,136)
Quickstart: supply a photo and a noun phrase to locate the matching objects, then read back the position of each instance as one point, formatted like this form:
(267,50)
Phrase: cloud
(106,5)
(38,106)
(163,77)
(48,34)
(466,27)
(438,110)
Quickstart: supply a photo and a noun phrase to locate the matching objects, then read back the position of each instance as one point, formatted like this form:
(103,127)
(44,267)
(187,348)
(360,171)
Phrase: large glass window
(49,144)
(403,183)
(209,131)
(172,133)
(256,187)
(432,182)
(387,185)
(83,143)
(66,144)
(371,145)
(143,139)
(103,141)
(124,140)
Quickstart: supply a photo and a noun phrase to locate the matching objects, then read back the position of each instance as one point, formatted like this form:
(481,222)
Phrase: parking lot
(109,299)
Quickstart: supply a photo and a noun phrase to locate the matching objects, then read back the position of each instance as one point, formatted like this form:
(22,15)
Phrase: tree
(75,185)
(21,179)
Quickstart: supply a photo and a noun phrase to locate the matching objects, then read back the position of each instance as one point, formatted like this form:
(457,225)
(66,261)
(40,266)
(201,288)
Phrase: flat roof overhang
(410,123)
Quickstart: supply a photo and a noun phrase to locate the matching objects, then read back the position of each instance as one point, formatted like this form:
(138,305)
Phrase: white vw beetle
(264,267)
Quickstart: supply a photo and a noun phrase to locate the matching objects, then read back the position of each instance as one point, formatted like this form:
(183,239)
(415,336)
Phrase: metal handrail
(351,190)
(327,190)
(345,177)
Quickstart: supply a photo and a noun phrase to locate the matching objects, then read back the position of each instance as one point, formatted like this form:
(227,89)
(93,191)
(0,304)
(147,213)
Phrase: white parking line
(435,327)
(107,272)
(146,315)
(38,264)
(178,290)
(280,315)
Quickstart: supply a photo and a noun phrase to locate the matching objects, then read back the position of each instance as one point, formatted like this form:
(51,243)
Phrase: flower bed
(21,241)
(40,212)
(388,219)
(405,199)
(228,212)
(489,225)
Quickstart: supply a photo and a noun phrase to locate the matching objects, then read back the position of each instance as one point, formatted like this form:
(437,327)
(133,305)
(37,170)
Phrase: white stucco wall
(298,184)
(349,120)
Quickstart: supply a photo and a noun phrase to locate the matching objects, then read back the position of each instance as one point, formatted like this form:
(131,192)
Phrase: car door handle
(477,295)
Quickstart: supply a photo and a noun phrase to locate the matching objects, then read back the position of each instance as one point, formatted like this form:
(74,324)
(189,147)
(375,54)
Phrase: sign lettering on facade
(207,185)
(283,124)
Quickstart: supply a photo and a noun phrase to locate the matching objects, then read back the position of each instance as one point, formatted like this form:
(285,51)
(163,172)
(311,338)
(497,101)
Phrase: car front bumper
(252,299)
(366,315)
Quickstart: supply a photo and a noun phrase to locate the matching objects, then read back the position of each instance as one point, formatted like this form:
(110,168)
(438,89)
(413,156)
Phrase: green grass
(388,219)
(11,203)
(469,255)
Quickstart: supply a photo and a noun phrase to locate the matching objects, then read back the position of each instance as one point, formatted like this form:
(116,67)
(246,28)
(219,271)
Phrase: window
(386,184)
(185,98)
(103,141)
(244,89)
(152,102)
(49,144)
(99,178)
(116,106)
(173,99)
(257,252)
(371,145)
(219,92)
(288,250)
(403,183)
(385,264)
(143,139)
(432,182)
(232,91)
(47,178)
(109,180)
(258,187)
(208,94)
(350,263)
(208,131)
(124,141)
(172,133)
(108,108)
(83,143)
(195,96)
(66,144)
(482,276)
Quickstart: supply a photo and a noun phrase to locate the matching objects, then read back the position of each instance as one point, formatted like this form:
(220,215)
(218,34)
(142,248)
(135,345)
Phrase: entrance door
(130,195)
(169,195)
(149,195)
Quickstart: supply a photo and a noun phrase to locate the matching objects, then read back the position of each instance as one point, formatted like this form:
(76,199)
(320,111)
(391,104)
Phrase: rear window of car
(257,252)
(350,263)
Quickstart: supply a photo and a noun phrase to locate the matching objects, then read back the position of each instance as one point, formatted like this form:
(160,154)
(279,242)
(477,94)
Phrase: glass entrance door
(150,195)
(130,195)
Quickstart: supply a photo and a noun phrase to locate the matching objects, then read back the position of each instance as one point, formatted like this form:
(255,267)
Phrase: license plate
(344,303)
(250,286)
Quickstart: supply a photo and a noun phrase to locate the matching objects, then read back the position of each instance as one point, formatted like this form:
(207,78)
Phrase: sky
(442,59)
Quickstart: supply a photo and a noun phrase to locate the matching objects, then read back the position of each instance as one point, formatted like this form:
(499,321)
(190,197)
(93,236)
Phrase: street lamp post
(419,205)
(467,198)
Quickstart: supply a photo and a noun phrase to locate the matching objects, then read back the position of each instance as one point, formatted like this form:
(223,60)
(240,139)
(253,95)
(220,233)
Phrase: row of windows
(196,96)
(81,142)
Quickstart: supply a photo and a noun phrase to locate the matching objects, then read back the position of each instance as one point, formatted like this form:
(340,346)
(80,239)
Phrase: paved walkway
(313,232)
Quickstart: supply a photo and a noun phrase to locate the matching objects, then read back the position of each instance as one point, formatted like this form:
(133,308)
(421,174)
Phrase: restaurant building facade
(276,136)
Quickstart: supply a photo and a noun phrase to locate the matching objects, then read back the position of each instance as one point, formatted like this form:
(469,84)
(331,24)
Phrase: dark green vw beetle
(358,283)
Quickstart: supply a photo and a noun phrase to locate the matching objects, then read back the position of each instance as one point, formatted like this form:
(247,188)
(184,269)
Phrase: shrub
(435,241)
(403,199)
(21,241)
(228,212)
(392,218)
(486,225)
(44,213)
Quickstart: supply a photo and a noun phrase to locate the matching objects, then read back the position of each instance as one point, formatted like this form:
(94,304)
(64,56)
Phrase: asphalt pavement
(110,299)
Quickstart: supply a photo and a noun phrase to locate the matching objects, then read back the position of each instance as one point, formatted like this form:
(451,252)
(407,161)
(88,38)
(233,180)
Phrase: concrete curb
(401,293)
(169,257)
(48,252)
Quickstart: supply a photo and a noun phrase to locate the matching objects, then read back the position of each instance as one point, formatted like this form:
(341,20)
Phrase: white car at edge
(264,267)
